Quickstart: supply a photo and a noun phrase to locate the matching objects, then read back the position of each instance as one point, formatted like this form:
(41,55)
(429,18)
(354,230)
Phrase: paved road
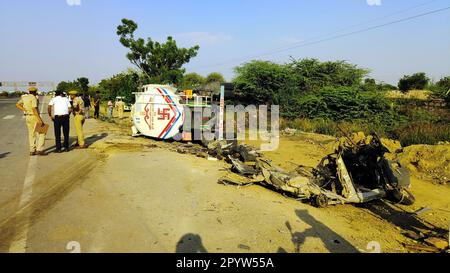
(27,182)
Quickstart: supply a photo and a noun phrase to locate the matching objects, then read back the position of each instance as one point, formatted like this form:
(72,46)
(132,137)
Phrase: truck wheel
(320,201)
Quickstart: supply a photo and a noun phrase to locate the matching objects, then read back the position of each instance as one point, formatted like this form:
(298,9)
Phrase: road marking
(9,117)
(20,244)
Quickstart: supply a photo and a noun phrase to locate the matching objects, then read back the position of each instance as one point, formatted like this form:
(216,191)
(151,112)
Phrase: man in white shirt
(61,109)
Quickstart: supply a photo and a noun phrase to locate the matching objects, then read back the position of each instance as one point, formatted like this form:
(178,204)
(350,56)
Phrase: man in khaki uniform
(120,106)
(78,112)
(28,104)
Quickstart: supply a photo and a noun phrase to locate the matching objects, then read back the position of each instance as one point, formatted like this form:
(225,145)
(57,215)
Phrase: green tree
(262,82)
(68,86)
(121,85)
(417,81)
(192,81)
(370,85)
(442,88)
(215,77)
(161,62)
(83,83)
(312,75)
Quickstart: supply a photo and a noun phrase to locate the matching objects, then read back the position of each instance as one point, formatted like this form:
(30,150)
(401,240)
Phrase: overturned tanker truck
(160,112)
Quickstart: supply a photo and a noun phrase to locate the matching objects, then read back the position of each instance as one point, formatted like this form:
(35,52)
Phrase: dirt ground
(140,195)
(253,218)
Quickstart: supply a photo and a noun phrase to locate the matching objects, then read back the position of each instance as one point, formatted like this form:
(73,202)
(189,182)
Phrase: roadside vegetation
(336,97)
(328,97)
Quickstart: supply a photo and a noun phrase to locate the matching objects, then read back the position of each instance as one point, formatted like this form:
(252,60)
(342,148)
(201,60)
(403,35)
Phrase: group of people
(59,110)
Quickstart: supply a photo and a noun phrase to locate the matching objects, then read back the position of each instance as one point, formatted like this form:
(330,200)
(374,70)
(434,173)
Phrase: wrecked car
(358,172)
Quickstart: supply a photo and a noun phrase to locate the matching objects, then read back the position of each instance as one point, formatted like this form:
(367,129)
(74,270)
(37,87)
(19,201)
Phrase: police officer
(120,105)
(28,104)
(78,112)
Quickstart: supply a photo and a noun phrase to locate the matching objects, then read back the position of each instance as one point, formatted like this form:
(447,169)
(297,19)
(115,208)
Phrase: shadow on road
(398,217)
(92,139)
(190,243)
(332,241)
(3,155)
(89,141)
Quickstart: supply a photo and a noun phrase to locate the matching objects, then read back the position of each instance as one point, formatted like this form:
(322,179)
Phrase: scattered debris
(439,243)
(357,172)
(422,211)
(421,248)
(289,132)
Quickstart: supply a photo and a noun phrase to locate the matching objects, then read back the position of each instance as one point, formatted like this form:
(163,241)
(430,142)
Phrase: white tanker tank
(161,113)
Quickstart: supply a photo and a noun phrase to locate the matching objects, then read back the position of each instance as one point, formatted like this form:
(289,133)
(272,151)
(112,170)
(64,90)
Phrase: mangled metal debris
(357,172)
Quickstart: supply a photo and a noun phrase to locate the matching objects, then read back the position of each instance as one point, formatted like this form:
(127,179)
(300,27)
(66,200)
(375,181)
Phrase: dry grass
(412,95)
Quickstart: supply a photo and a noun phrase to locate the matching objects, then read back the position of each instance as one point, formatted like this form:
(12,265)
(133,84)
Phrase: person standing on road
(78,112)
(120,105)
(87,106)
(110,109)
(28,104)
(61,118)
(97,101)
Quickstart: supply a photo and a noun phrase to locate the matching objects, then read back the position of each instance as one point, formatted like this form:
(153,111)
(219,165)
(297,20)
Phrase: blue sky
(52,40)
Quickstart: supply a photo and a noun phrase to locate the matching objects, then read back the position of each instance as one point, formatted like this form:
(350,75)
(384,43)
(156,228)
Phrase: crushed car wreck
(357,172)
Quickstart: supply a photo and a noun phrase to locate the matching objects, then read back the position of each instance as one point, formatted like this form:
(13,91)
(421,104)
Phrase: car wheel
(320,201)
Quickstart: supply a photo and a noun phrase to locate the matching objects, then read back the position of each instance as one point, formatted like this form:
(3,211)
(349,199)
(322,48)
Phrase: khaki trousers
(37,141)
(79,120)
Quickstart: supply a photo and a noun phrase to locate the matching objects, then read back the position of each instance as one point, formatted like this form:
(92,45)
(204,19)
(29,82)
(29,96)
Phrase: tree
(120,85)
(68,86)
(417,81)
(442,88)
(215,77)
(83,84)
(161,62)
(192,81)
(370,85)
(263,82)
(312,75)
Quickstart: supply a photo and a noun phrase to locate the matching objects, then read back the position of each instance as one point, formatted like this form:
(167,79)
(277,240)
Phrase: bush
(344,104)
(423,133)
(442,88)
(418,81)
(312,75)
(261,82)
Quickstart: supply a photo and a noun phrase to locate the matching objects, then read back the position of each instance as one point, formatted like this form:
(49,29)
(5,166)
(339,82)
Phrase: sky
(55,40)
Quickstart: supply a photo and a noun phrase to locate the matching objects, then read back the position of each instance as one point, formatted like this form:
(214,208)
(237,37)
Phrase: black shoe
(58,151)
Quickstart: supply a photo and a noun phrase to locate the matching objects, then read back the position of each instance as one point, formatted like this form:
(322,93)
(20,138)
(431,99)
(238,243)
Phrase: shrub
(423,133)
(417,81)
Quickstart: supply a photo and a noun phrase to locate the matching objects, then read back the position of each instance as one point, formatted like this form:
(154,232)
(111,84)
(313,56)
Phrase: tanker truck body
(161,113)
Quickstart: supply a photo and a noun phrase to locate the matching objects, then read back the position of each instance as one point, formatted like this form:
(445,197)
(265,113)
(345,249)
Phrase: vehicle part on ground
(357,172)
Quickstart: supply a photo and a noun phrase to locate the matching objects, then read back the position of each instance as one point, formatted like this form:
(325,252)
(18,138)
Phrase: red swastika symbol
(164,114)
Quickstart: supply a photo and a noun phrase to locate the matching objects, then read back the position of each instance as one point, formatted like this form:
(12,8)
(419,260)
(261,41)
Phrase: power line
(307,43)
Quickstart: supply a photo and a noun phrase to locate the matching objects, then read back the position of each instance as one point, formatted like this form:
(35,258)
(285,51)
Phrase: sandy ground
(139,195)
